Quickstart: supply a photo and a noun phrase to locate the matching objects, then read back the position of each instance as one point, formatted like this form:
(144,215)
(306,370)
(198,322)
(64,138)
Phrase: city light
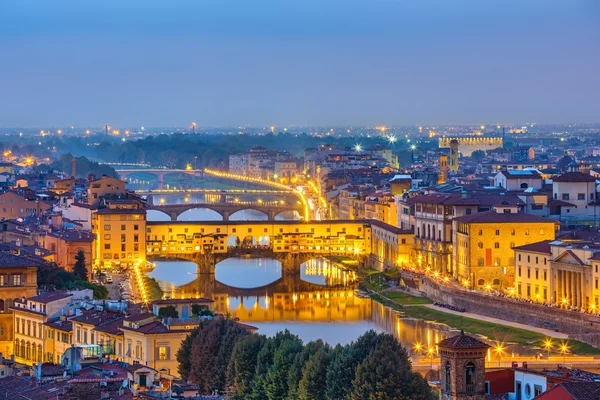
(357,147)
(392,139)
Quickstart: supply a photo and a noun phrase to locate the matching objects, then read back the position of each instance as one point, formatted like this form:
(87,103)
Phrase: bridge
(290,242)
(468,144)
(225,210)
(160,173)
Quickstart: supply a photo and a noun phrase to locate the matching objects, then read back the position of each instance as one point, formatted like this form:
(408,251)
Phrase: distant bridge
(468,144)
(159,173)
(270,209)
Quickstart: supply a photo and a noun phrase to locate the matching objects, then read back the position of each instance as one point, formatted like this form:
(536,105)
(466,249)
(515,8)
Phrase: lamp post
(564,349)
(548,346)
(412,150)
(430,353)
(499,349)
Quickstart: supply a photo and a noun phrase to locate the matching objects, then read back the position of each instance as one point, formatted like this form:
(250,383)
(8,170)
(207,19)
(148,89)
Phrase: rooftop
(50,297)
(539,247)
(574,177)
(462,341)
(496,217)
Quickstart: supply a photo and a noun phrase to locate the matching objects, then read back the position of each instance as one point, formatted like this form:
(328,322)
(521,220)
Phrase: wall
(511,310)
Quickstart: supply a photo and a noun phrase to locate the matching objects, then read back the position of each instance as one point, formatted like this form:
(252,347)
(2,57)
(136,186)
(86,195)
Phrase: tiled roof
(65,326)
(152,327)
(12,260)
(50,369)
(495,217)
(122,211)
(97,318)
(50,296)
(538,247)
(582,390)
(135,367)
(74,236)
(463,341)
(140,317)
(574,177)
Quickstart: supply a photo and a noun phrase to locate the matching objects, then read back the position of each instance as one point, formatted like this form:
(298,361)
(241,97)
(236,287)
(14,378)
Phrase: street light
(499,350)
(357,148)
(548,346)
(430,353)
(413,148)
(392,139)
(564,349)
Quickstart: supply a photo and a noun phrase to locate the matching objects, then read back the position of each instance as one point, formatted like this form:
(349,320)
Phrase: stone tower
(454,155)
(462,369)
(443,177)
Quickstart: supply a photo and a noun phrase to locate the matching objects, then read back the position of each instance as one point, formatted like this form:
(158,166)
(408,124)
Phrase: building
(30,315)
(518,180)
(577,193)
(483,244)
(102,187)
(572,391)
(522,153)
(238,164)
(390,246)
(65,244)
(454,155)
(13,205)
(120,234)
(400,184)
(563,273)
(18,278)
(62,186)
(462,368)
(285,170)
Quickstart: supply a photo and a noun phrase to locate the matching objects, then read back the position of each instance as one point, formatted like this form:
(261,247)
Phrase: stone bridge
(290,262)
(160,173)
(226,209)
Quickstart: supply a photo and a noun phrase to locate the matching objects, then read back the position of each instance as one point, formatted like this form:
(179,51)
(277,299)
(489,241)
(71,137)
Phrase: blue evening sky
(330,62)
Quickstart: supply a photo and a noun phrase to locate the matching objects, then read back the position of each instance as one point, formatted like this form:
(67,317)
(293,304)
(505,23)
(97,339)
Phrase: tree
(242,367)
(283,358)
(201,310)
(168,312)
(340,373)
(313,383)
(79,268)
(478,155)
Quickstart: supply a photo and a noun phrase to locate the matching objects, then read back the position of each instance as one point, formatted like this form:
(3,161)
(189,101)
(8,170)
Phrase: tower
(443,177)
(462,369)
(454,155)
(73,168)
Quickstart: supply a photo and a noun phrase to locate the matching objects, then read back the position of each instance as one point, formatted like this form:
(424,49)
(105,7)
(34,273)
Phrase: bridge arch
(157,215)
(203,213)
(288,215)
(239,215)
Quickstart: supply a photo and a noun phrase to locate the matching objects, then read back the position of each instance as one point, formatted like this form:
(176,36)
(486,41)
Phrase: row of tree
(224,356)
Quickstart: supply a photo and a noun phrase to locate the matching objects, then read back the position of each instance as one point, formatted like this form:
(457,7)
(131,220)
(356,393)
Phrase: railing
(470,388)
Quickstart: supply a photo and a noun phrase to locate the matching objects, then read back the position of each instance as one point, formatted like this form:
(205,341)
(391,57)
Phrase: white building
(518,179)
(575,198)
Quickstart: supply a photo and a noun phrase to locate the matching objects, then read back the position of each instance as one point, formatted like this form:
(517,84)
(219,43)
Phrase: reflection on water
(312,305)
(322,271)
(246,273)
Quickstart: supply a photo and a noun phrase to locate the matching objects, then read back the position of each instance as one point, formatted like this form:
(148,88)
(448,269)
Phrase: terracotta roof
(140,317)
(538,247)
(152,327)
(122,211)
(50,369)
(135,367)
(495,217)
(65,326)
(581,390)
(50,296)
(390,228)
(463,341)
(562,203)
(12,260)
(97,318)
(574,177)
(74,236)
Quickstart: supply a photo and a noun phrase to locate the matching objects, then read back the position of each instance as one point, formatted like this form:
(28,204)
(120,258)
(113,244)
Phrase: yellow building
(59,337)
(562,273)
(18,278)
(119,230)
(30,315)
(321,237)
(390,246)
(483,243)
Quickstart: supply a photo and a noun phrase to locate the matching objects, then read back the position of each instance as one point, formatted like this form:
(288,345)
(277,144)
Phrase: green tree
(340,373)
(201,310)
(168,312)
(79,268)
(283,359)
(478,155)
(313,383)
(242,367)
(295,373)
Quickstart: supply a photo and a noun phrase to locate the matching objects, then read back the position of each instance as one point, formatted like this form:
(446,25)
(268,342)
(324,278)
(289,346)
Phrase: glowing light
(357,147)
(392,139)
(188,167)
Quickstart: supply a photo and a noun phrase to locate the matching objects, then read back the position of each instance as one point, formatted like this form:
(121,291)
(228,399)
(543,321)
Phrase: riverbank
(419,307)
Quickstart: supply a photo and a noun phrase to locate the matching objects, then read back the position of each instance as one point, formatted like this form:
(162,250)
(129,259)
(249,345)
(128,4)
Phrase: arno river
(319,303)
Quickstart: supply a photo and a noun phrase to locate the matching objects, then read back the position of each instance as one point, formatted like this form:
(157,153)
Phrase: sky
(298,62)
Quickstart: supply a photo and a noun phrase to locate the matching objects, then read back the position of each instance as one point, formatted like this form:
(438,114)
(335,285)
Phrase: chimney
(464,194)
(524,364)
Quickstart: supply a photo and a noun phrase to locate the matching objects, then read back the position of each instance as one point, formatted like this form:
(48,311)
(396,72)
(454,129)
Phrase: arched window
(2,330)
(428,231)
(448,378)
(470,377)
(28,351)
(39,353)
(524,186)
(1,305)
(497,245)
(480,245)
(512,245)
(481,282)
(496,282)
(496,262)
(480,262)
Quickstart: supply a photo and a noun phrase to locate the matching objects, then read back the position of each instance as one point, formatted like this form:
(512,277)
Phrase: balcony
(470,389)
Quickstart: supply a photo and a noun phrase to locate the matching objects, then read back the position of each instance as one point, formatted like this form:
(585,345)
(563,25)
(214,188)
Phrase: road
(546,332)
(113,288)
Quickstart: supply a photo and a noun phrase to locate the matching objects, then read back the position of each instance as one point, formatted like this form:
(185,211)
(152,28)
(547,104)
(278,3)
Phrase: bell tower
(462,369)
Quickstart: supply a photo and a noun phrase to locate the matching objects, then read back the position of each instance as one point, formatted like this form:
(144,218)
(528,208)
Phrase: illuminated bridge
(159,173)
(290,242)
(270,209)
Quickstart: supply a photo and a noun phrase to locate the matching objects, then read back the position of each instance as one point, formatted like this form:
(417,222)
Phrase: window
(162,353)
(528,273)
(480,245)
(496,245)
(541,231)
(565,196)
(513,232)
(106,236)
(580,196)
(480,262)
(123,227)
(135,228)
(497,232)
(17,280)
(448,377)
(107,227)
(480,232)
(519,270)
(106,246)
(496,262)
(470,377)
(537,273)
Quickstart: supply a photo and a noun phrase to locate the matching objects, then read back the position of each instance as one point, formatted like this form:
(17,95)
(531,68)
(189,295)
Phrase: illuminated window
(162,353)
